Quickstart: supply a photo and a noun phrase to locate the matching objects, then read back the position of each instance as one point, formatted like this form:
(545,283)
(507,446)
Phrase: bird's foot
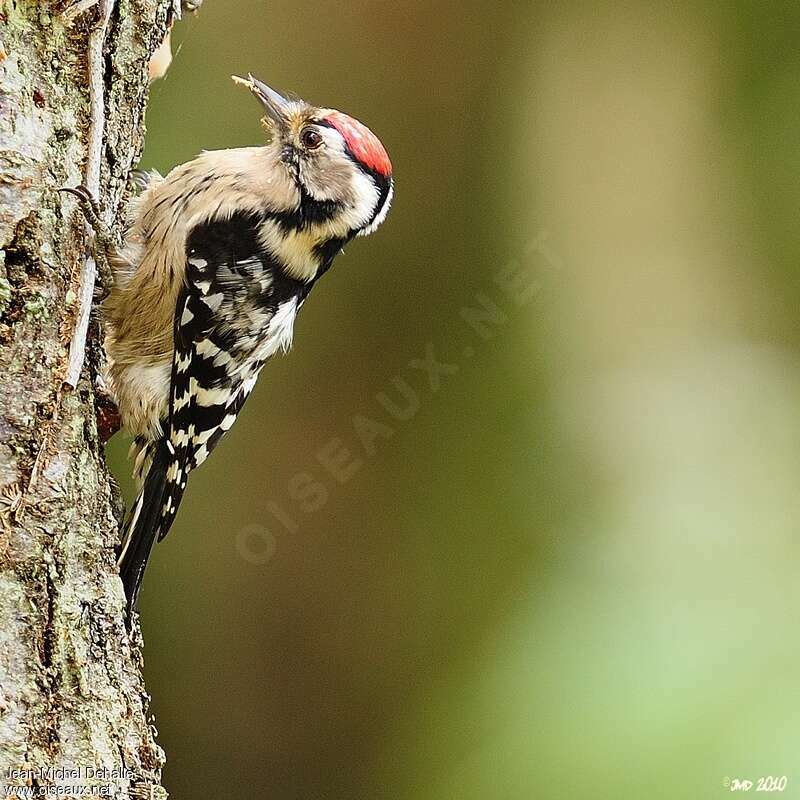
(104,239)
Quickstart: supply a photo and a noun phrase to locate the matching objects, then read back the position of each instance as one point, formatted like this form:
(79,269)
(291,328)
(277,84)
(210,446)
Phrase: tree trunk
(73,707)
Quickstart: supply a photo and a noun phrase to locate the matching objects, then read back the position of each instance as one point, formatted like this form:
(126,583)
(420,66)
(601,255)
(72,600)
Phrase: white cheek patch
(365,197)
(381,215)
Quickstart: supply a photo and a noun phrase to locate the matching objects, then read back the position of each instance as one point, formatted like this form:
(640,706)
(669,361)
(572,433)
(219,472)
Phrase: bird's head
(339,166)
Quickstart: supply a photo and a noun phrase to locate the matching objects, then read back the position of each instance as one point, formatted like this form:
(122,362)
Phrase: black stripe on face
(314,211)
(309,211)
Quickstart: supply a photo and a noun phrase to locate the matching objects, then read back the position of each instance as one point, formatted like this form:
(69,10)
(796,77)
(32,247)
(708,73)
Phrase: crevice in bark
(49,633)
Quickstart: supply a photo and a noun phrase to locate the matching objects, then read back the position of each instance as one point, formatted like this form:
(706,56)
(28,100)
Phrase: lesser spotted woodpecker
(217,259)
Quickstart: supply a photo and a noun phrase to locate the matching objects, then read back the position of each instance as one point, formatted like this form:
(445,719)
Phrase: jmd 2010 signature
(768,783)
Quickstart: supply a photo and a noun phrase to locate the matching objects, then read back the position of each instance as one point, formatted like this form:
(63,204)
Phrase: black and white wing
(235,310)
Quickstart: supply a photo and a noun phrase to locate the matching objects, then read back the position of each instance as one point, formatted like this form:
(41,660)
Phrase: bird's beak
(275,104)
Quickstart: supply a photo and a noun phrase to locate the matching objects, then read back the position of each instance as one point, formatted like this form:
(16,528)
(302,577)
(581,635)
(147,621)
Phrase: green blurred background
(571,571)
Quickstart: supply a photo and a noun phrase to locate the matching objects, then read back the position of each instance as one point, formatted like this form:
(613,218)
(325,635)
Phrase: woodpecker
(216,260)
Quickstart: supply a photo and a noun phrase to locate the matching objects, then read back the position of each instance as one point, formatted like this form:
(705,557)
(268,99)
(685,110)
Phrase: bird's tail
(149,519)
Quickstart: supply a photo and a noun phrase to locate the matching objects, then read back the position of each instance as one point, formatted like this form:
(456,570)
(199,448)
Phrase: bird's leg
(105,242)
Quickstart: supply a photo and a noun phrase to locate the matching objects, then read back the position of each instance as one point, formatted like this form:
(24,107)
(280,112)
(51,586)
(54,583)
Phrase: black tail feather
(143,525)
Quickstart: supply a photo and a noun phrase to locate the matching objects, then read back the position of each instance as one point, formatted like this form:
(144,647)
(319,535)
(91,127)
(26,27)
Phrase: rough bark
(71,691)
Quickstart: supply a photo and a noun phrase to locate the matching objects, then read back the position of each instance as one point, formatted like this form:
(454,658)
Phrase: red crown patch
(365,146)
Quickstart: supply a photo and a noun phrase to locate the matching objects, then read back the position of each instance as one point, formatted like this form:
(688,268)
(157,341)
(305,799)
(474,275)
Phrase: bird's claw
(92,210)
(105,242)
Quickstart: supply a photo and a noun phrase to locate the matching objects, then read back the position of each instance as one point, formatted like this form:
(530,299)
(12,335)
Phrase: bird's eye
(311,139)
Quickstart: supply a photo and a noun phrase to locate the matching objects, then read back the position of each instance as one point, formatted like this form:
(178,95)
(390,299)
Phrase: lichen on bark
(71,690)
